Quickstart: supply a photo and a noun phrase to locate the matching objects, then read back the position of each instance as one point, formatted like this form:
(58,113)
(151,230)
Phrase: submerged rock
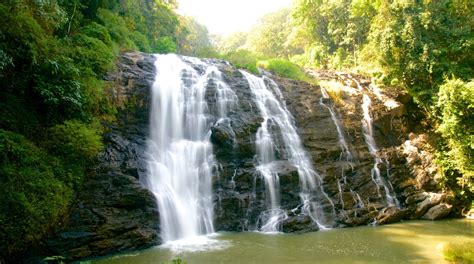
(299,224)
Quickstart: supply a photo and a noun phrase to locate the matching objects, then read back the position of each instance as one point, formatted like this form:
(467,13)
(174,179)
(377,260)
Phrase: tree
(195,39)
(419,43)
(269,36)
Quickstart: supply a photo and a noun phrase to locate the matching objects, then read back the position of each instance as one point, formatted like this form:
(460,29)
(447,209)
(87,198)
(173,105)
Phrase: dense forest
(54,100)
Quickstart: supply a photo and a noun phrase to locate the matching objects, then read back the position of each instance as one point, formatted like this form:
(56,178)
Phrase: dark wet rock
(112,215)
(299,224)
(408,158)
(438,212)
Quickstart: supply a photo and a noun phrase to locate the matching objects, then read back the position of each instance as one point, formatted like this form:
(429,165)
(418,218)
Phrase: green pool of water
(410,242)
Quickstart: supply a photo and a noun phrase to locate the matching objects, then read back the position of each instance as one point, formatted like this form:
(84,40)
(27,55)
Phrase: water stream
(367,128)
(346,158)
(180,155)
(278,126)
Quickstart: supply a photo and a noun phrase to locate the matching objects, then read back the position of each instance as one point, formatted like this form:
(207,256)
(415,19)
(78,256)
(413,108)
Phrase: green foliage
(5,60)
(270,35)
(196,40)
(34,195)
(178,261)
(119,30)
(459,253)
(166,45)
(283,68)
(58,87)
(455,110)
(98,31)
(420,43)
(75,141)
(244,59)
(92,56)
(141,41)
(231,43)
(25,34)
(332,31)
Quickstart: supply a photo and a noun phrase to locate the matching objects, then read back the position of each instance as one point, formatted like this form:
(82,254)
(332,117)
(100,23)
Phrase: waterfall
(277,121)
(367,128)
(346,154)
(180,154)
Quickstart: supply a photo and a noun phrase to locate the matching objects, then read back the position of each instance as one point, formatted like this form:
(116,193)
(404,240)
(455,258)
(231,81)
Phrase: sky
(229,16)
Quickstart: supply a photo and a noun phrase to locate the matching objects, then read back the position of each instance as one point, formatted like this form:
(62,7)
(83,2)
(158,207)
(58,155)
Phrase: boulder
(391,215)
(299,224)
(431,200)
(438,212)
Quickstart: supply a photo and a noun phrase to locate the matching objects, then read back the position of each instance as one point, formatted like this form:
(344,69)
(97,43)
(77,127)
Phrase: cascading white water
(346,154)
(367,128)
(180,155)
(226,97)
(276,115)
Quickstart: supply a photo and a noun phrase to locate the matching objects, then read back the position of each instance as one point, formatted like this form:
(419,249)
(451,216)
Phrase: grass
(459,253)
(283,68)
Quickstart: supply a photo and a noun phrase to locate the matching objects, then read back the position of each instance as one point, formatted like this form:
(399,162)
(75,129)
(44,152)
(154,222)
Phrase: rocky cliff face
(114,212)
(408,158)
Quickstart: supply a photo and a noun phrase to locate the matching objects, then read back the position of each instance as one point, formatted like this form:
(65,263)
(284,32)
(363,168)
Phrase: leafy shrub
(76,141)
(243,59)
(455,110)
(119,30)
(5,60)
(283,68)
(92,55)
(141,41)
(26,34)
(33,197)
(340,59)
(165,45)
(99,32)
(58,86)
(315,56)
(97,103)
